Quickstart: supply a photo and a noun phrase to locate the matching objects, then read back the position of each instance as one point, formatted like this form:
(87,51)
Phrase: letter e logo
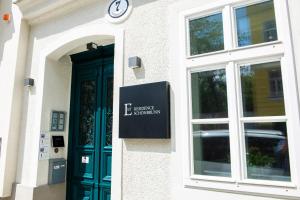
(128,111)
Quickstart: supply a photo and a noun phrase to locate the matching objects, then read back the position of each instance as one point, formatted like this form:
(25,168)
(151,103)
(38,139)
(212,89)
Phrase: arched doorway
(64,45)
(90,133)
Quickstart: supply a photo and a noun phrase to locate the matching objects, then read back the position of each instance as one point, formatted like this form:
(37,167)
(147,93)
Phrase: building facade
(233,72)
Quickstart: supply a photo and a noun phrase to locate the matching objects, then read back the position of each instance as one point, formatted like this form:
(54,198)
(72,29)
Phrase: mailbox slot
(57,171)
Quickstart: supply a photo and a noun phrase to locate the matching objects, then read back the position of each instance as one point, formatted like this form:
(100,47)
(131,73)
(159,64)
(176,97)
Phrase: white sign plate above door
(118,10)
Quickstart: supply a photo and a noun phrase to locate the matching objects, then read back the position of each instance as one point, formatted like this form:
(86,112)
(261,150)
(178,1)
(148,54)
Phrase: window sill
(263,188)
(206,54)
(257,45)
(274,43)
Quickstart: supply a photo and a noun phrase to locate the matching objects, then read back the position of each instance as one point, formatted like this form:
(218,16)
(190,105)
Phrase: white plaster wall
(152,169)
(56,97)
(12,58)
(147,163)
(153,51)
(31,171)
(295,26)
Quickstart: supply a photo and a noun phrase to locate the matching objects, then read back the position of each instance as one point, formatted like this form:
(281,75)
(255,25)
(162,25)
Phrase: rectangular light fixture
(134,62)
(28,82)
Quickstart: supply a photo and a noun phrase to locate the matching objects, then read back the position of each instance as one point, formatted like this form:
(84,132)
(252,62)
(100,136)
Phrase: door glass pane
(87,112)
(262,90)
(109,111)
(267,151)
(211,150)
(256,24)
(209,94)
(206,34)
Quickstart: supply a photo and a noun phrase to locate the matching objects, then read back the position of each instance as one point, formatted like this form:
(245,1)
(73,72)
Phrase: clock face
(118,8)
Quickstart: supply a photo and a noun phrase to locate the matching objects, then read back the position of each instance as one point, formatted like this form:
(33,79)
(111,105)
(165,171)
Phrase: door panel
(105,194)
(84,164)
(82,191)
(89,163)
(106,131)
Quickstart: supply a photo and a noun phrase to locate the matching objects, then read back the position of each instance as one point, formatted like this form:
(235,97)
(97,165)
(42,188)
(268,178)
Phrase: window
(256,24)
(266,143)
(210,141)
(275,88)
(209,94)
(267,151)
(241,103)
(206,34)
(270,33)
(259,82)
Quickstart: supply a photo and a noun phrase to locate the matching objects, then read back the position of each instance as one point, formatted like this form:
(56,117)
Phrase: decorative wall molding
(38,11)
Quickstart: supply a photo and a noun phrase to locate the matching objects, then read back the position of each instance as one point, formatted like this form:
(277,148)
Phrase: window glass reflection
(256,24)
(211,150)
(206,34)
(262,91)
(267,151)
(209,94)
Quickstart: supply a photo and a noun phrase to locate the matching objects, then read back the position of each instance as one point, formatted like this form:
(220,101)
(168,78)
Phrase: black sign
(145,111)
(58,141)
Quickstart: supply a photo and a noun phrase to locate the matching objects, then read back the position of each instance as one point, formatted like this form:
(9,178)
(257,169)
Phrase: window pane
(267,151)
(211,150)
(209,95)
(256,24)
(262,90)
(206,34)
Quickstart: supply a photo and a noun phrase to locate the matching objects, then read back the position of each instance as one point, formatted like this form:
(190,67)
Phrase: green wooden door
(90,135)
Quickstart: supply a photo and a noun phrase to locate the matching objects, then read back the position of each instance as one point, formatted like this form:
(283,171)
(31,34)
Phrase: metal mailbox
(57,171)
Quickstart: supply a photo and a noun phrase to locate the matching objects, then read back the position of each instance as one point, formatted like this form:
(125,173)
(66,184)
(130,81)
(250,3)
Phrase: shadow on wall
(148,145)
(140,72)
(6,28)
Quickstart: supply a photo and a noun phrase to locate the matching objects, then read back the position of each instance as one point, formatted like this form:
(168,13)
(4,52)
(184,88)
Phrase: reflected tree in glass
(247,86)
(209,94)
(206,34)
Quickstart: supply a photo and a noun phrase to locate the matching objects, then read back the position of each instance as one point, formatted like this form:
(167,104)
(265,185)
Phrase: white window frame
(230,57)
(208,121)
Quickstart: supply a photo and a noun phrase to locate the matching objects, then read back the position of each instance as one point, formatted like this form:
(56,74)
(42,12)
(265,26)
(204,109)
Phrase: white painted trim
(242,56)
(12,96)
(227,27)
(233,122)
(210,121)
(180,110)
(290,88)
(263,119)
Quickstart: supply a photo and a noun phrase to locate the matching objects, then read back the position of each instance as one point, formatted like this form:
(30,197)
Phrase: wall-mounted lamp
(28,82)
(134,62)
(91,46)
(6,17)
